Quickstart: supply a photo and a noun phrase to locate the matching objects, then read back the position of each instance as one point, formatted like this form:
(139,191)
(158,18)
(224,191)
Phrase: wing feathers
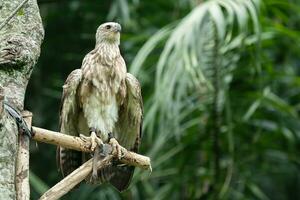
(129,130)
(128,126)
(69,160)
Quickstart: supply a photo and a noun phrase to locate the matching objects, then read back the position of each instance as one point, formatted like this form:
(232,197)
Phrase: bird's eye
(108,26)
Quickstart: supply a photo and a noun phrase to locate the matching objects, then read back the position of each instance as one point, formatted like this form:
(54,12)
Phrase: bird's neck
(107,47)
(107,51)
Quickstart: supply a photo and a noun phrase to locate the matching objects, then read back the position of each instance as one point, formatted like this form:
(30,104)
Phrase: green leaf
(37,184)
(257,192)
(251,110)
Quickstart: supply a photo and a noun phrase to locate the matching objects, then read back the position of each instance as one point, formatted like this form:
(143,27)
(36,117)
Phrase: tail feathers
(116,175)
(105,174)
(69,160)
(122,176)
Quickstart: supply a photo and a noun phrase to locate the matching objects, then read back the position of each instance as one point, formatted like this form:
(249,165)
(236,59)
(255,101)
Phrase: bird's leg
(96,145)
(116,146)
(96,158)
(92,138)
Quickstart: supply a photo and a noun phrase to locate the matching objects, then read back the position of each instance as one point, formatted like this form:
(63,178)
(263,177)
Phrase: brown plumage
(102,96)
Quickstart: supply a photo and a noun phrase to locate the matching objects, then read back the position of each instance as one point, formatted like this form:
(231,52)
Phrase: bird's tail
(117,174)
(122,175)
(68,160)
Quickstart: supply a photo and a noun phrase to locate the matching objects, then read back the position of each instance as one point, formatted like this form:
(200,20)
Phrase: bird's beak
(118,28)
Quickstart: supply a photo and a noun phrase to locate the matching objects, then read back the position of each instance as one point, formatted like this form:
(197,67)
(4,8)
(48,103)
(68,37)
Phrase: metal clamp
(22,126)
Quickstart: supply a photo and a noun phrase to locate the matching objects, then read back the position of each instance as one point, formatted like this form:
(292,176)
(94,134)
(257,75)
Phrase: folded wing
(129,129)
(69,160)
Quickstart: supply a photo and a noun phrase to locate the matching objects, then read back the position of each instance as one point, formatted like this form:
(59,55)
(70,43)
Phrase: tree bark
(20,41)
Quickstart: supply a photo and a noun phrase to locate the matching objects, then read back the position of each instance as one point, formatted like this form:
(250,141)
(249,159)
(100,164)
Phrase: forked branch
(69,182)
(76,143)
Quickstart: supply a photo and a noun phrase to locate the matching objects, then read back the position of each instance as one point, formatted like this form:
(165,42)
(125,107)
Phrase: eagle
(103,103)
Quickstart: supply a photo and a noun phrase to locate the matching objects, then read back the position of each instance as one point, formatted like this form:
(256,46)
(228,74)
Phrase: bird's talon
(94,140)
(123,150)
(117,148)
(83,137)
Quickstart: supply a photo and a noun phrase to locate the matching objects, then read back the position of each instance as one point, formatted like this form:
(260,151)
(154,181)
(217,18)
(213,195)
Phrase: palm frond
(184,74)
(184,67)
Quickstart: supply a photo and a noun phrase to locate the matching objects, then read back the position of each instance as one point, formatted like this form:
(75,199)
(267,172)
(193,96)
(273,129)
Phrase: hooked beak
(117,28)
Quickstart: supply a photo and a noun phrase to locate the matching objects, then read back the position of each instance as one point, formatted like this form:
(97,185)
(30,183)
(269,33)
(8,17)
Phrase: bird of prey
(102,102)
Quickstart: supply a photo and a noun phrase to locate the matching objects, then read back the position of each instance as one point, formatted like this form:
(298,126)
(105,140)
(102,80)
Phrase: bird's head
(108,32)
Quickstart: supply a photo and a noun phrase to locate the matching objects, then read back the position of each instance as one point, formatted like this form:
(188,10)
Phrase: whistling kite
(102,100)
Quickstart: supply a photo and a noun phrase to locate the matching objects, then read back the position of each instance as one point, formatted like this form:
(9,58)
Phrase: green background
(221,88)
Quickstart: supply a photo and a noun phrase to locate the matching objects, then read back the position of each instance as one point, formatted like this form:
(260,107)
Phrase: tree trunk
(20,41)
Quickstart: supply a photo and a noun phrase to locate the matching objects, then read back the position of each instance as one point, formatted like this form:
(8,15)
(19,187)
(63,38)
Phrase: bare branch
(65,185)
(76,143)
(59,139)
(22,166)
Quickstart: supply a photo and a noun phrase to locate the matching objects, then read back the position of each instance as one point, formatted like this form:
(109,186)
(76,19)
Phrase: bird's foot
(96,158)
(95,141)
(117,148)
(97,146)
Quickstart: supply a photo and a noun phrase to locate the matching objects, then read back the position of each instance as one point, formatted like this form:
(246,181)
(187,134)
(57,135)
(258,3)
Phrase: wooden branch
(76,143)
(65,185)
(59,139)
(22,166)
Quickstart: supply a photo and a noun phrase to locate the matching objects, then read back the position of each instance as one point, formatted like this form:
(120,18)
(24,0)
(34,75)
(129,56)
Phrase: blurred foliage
(221,89)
